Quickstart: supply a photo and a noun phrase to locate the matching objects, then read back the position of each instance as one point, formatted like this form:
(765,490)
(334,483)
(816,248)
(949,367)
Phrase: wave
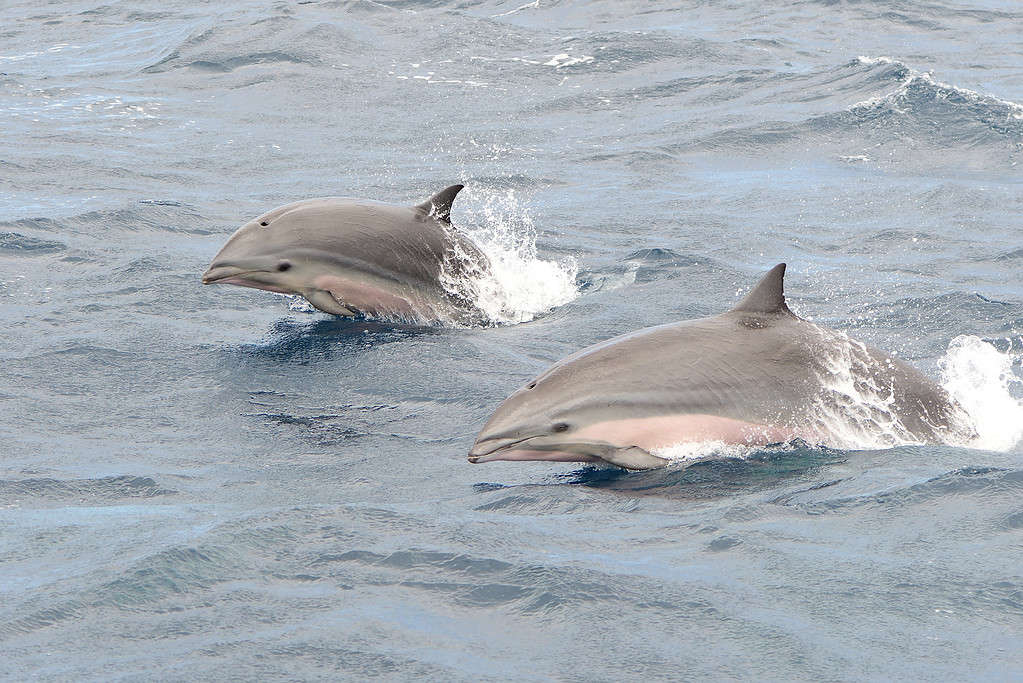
(486,582)
(16,243)
(947,113)
(145,215)
(645,265)
(229,47)
(949,314)
(990,481)
(84,491)
(935,89)
(915,112)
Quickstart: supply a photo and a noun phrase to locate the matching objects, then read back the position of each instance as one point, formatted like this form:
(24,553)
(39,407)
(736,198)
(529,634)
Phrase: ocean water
(218,483)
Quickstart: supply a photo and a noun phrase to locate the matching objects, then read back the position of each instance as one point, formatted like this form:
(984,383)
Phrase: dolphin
(755,375)
(354,257)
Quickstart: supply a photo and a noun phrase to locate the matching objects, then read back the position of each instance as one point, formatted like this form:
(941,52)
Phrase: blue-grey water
(219,483)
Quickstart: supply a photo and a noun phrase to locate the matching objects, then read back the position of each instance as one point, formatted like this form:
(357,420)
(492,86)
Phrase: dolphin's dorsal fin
(769,294)
(439,205)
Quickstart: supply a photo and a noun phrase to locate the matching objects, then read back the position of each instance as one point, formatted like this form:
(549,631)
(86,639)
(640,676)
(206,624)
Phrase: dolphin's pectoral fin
(439,205)
(633,458)
(325,301)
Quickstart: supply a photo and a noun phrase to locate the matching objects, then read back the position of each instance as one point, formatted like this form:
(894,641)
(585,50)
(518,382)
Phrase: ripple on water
(968,482)
(17,244)
(84,491)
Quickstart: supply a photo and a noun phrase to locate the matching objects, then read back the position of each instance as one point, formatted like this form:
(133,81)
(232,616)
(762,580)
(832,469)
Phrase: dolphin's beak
(218,273)
(257,278)
(485,450)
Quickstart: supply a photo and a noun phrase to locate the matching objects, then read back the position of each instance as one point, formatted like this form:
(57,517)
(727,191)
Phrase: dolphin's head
(533,424)
(273,272)
(550,419)
(276,251)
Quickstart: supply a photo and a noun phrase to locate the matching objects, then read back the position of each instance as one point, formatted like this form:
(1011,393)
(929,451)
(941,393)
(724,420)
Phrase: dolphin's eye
(283,266)
(531,385)
(560,427)
(264,223)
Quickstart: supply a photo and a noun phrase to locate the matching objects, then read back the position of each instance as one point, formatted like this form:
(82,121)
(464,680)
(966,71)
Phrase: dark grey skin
(351,256)
(755,375)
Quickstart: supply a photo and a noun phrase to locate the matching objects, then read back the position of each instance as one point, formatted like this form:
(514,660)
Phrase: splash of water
(694,451)
(518,285)
(982,379)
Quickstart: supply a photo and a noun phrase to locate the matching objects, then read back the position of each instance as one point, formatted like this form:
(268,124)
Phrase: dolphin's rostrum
(351,256)
(755,375)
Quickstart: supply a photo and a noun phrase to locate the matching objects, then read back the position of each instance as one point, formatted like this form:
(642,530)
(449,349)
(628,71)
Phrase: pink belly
(367,298)
(650,433)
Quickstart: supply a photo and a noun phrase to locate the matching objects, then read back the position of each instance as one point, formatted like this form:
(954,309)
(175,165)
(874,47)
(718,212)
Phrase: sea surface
(218,483)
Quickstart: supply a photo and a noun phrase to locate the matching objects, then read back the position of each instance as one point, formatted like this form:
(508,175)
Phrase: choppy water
(217,483)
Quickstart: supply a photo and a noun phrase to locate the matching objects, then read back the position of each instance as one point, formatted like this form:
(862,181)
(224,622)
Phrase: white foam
(982,379)
(856,410)
(518,285)
(528,5)
(298,303)
(565,59)
(694,451)
(874,61)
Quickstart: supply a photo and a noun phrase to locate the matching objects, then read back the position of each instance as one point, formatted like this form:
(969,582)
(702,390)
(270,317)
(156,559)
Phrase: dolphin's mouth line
(207,280)
(475,455)
(586,450)
(628,457)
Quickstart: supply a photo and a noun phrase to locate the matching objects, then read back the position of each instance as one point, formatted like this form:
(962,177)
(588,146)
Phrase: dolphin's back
(767,369)
(706,366)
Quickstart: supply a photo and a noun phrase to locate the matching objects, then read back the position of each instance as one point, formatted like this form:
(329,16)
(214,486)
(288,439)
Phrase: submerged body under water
(223,483)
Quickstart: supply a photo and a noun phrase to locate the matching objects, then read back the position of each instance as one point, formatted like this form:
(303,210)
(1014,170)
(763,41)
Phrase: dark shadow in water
(710,478)
(303,342)
(713,477)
